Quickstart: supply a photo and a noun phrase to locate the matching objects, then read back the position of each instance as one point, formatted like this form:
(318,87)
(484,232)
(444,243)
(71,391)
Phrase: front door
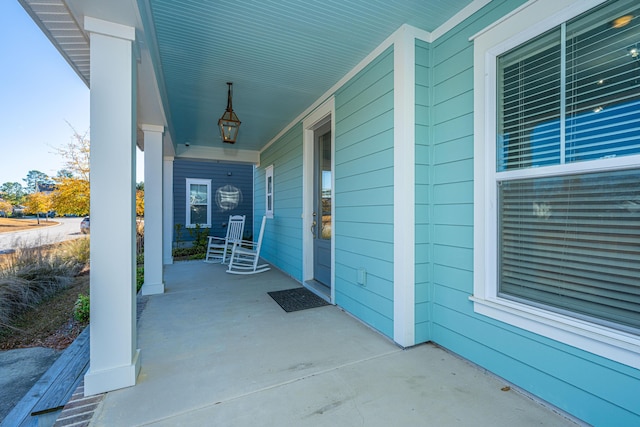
(322,205)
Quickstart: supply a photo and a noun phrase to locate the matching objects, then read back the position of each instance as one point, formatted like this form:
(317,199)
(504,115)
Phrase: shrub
(190,253)
(139,278)
(200,238)
(81,309)
(178,227)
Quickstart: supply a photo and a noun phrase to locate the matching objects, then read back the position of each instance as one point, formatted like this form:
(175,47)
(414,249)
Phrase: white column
(114,359)
(404,189)
(167,217)
(153,278)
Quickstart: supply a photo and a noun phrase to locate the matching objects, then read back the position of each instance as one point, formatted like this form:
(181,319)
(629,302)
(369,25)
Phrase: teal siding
(282,242)
(423,155)
(592,388)
(364,193)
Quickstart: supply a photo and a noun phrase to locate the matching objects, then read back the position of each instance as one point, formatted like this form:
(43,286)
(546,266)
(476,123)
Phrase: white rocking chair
(219,248)
(245,255)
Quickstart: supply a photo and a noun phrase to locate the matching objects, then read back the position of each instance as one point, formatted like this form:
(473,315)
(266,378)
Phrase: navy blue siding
(220,174)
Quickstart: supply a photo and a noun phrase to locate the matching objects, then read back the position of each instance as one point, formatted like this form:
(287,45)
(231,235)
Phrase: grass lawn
(15,224)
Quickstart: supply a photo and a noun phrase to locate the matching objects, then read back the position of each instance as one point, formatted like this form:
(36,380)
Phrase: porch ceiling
(281,56)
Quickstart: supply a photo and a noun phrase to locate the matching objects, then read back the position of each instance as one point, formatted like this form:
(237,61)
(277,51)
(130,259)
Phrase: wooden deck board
(52,391)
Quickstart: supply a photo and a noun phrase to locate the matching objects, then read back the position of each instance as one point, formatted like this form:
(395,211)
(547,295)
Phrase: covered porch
(216,349)
(372,130)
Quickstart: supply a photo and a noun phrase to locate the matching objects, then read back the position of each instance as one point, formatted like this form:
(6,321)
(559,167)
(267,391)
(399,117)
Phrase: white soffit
(57,23)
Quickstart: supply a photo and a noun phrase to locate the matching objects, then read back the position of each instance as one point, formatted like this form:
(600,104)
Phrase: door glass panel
(325,186)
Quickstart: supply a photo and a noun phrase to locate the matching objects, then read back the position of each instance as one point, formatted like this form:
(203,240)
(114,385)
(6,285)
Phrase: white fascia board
(458,18)
(216,153)
(99,26)
(150,107)
(151,128)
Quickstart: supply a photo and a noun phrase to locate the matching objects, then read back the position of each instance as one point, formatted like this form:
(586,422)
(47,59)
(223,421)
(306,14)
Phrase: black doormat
(297,299)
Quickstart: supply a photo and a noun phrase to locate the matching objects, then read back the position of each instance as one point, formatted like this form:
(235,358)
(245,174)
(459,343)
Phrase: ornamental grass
(30,276)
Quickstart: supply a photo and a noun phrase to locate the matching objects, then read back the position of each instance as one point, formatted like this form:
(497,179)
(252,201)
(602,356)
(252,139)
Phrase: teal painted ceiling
(281,56)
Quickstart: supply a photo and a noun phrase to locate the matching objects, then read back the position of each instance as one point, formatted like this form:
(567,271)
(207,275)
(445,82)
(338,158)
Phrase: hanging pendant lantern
(229,122)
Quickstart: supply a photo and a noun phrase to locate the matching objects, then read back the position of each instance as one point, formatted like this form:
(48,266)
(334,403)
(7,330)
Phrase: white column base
(152,288)
(96,382)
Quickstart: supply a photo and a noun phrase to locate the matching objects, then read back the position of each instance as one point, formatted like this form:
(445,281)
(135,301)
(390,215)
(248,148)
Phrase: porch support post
(153,266)
(114,359)
(404,188)
(167,208)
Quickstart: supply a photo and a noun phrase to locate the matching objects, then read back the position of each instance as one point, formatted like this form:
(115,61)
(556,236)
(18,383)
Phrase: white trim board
(525,23)
(310,123)
(404,107)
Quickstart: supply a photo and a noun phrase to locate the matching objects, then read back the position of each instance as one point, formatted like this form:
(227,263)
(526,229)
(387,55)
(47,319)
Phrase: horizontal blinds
(603,84)
(601,92)
(528,95)
(572,243)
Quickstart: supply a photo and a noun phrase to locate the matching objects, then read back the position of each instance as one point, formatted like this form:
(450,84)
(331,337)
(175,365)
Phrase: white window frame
(197,181)
(523,24)
(268,192)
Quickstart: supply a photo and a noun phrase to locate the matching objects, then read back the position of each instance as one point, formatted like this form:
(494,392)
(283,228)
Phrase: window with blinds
(571,242)
(572,94)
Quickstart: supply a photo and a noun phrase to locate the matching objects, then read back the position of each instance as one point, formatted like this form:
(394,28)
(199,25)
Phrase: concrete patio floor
(217,350)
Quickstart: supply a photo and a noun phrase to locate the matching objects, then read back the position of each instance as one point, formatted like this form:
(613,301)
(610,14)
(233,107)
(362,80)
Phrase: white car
(85,225)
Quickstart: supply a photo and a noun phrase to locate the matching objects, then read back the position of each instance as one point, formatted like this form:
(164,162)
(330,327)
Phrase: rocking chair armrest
(216,241)
(245,244)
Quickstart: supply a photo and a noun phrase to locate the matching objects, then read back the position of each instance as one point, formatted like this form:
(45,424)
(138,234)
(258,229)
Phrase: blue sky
(39,94)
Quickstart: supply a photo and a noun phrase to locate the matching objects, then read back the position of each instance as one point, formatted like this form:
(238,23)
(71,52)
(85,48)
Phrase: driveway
(68,228)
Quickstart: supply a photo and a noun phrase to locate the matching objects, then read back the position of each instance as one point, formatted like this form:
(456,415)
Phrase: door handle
(313,225)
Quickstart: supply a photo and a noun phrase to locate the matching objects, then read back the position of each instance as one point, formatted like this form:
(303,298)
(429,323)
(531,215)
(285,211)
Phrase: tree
(35,179)
(140,198)
(12,192)
(76,155)
(139,202)
(72,194)
(5,208)
(36,203)
(64,173)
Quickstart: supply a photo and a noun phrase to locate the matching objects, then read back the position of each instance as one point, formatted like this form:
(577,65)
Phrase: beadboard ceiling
(281,55)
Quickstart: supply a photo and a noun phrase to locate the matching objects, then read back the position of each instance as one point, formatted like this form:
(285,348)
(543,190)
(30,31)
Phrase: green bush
(200,238)
(139,278)
(81,309)
(178,227)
